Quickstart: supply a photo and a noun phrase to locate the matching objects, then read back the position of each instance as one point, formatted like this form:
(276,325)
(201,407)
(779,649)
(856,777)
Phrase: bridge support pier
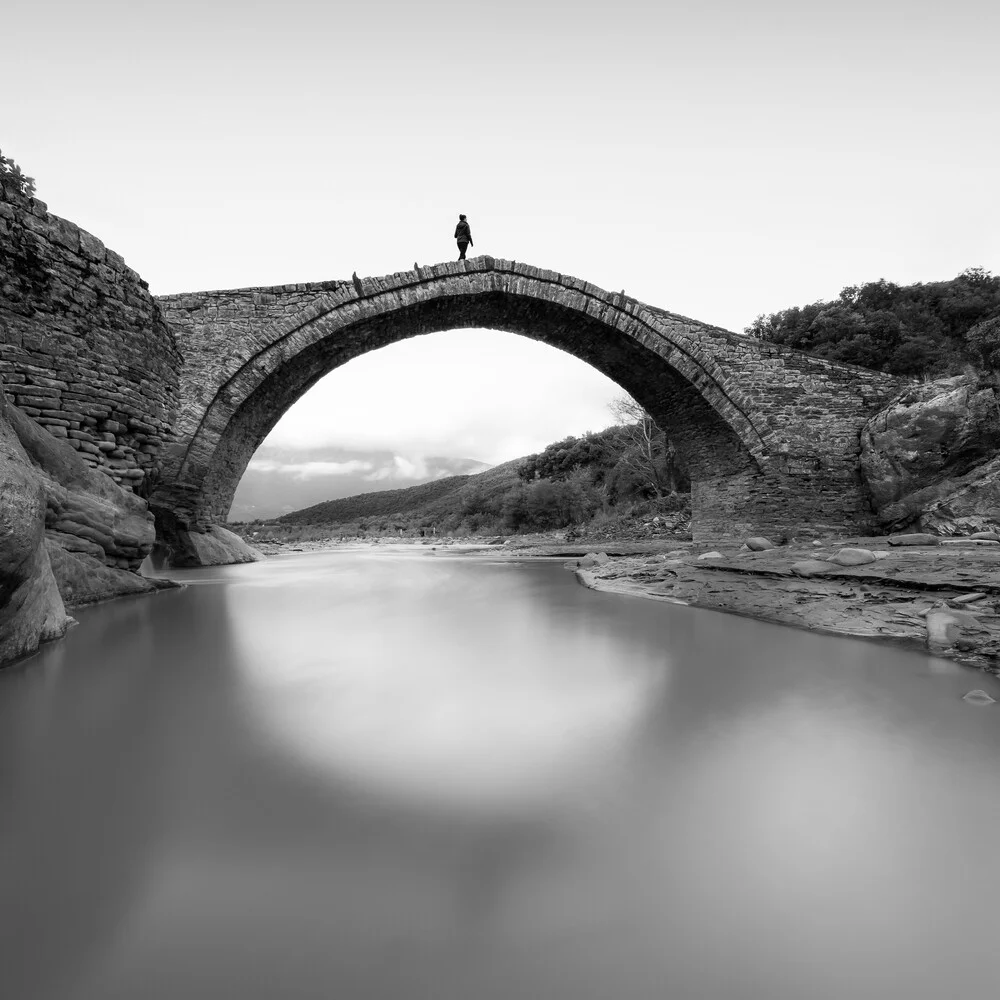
(778,505)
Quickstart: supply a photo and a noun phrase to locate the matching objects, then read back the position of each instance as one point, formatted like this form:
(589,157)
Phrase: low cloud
(310,470)
(402,467)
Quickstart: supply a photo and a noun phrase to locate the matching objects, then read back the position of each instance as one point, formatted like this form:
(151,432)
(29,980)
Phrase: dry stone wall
(84,349)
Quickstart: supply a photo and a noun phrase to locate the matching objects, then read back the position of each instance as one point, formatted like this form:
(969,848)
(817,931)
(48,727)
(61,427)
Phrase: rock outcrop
(182,547)
(31,608)
(95,533)
(931,459)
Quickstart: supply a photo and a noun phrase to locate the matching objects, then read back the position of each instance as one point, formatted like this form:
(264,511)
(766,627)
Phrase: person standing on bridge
(464,236)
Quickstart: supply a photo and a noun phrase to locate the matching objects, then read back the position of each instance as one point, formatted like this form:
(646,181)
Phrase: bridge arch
(249,354)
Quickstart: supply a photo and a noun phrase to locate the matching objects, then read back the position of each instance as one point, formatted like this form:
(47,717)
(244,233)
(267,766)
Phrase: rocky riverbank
(943,596)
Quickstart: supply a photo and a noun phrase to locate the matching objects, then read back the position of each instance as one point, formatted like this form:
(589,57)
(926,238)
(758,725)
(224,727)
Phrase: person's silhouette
(464,236)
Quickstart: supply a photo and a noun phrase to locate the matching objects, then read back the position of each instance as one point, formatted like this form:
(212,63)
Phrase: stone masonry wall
(84,349)
(771,435)
(214,329)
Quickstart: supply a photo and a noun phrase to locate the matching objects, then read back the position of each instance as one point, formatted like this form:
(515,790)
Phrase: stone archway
(769,435)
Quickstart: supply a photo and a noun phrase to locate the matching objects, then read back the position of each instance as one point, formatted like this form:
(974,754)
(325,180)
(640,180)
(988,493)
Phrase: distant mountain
(430,501)
(283,480)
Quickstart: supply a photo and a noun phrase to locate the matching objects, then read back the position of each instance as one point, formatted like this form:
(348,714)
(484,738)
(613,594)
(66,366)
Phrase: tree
(649,456)
(908,330)
(984,341)
(12,178)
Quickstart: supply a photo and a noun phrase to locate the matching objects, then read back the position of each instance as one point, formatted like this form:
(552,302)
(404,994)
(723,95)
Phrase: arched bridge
(770,435)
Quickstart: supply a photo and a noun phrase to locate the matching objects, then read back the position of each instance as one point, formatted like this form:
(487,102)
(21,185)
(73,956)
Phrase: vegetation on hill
(911,330)
(613,481)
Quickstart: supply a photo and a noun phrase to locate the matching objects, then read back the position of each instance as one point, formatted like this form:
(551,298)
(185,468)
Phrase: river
(380,774)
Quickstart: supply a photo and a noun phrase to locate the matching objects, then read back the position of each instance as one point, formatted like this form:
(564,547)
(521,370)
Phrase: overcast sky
(719,159)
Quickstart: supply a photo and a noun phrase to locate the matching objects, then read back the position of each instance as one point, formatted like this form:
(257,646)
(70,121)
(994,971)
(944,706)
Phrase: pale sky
(719,159)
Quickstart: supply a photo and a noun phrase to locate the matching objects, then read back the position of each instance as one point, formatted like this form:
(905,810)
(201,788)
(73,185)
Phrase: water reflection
(445,700)
(391,776)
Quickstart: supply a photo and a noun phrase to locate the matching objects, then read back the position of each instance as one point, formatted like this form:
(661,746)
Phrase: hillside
(623,481)
(428,500)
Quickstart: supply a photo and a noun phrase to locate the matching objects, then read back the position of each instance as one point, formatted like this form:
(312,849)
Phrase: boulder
(180,546)
(592,559)
(31,608)
(916,538)
(853,557)
(947,628)
(985,536)
(931,458)
(978,697)
(759,544)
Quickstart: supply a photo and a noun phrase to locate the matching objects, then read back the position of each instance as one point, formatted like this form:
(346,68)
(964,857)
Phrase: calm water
(373,776)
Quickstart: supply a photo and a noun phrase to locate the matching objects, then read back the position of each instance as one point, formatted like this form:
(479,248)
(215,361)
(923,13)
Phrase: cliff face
(931,459)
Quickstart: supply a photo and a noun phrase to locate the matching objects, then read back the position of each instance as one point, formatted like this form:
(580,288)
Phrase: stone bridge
(770,435)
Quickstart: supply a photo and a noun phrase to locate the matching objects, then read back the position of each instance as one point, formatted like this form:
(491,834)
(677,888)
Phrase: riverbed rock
(812,567)
(916,538)
(853,557)
(84,579)
(978,697)
(968,598)
(710,555)
(931,458)
(946,628)
(759,544)
(31,608)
